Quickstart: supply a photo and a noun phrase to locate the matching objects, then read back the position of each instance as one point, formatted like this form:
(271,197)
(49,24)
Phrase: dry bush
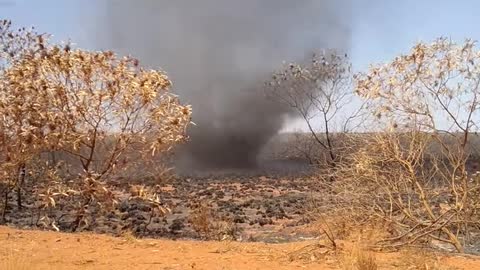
(300,145)
(343,210)
(329,222)
(209,226)
(21,135)
(414,169)
(129,237)
(150,198)
(101,113)
(366,261)
(415,191)
(359,259)
(318,90)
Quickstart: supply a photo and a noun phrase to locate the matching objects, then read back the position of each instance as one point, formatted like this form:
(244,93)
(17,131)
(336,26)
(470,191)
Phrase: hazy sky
(380,29)
(384,28)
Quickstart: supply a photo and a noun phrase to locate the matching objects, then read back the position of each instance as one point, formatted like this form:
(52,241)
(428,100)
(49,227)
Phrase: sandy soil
(50,250)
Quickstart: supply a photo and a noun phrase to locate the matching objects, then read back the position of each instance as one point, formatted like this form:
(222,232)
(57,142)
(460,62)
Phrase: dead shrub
(366,261)
(359,259)
(343,210)
(209,226)
(101,113)
(414,169)
(318,90)
(418,194)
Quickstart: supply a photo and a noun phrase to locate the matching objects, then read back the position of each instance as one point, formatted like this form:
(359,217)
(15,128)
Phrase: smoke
(218,53)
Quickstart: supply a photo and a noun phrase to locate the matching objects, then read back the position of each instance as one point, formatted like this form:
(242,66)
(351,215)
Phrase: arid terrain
(106,163)
(268,204)
(262,218)
(21,250)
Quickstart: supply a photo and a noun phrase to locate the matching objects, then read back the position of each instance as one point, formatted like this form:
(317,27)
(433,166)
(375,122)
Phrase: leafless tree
(426,104)
(318,90)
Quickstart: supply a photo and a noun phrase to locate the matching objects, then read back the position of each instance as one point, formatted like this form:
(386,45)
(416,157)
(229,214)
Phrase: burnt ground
(268,204)
(263,208)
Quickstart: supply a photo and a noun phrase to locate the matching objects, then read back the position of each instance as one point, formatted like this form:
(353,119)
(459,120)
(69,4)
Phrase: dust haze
(218,53)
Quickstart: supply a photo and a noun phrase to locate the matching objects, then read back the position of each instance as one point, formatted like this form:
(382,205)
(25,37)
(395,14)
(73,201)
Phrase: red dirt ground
(50,250)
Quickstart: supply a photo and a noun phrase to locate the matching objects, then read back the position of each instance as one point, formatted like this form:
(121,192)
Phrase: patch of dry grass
(421,260)
(359,259)
(210,226)
(15,261)
(129,237)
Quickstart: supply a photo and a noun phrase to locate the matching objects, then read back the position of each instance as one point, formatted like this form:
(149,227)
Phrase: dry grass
(310,253)
(366,261)
(15,261)
(129,237)
(210,226)
(359,259)
(421,260)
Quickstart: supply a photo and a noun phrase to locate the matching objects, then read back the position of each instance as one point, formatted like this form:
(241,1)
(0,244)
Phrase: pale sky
(380,29)
(383,29)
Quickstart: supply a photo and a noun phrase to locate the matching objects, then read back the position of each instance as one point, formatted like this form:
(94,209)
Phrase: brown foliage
(209,225)
(91,106)
(415,169)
